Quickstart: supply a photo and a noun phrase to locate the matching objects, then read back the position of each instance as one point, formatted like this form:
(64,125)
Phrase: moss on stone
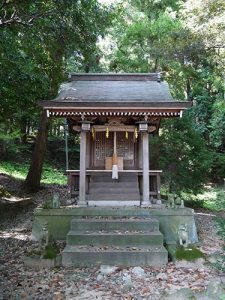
(50,252)
(47,204)
(190,253)
(4,192)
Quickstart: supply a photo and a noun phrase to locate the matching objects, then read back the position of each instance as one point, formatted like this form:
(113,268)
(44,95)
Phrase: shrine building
(114,215)
(115,115)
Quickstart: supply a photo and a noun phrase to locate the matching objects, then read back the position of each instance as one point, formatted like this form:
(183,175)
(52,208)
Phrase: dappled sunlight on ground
(14,235)
(205,214)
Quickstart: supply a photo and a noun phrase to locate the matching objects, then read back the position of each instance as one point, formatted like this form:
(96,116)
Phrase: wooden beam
(132,105)
(129,128)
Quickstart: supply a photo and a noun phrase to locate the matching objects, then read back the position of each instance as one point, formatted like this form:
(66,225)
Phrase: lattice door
(103,148)
(125,146)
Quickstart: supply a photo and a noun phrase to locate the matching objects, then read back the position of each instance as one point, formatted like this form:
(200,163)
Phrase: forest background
(42,41)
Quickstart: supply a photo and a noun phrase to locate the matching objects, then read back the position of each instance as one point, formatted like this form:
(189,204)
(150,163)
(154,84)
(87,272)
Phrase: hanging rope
(107,133)
(93,133)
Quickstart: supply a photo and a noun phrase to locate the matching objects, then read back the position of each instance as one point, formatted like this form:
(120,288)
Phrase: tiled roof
(145,90)
(110,91)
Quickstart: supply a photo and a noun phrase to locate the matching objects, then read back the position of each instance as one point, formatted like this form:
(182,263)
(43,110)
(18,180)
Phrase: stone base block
(77,257)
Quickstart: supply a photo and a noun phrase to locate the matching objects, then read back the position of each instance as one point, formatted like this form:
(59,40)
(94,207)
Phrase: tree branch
(216,47)
(3,4)
(15,19)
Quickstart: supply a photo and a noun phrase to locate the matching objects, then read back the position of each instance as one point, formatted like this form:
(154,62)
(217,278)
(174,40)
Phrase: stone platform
(122,236)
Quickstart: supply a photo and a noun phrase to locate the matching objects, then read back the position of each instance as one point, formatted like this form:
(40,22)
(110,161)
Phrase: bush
(218,167)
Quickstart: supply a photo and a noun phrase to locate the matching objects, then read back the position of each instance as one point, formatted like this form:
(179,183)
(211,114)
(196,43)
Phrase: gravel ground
(20,282)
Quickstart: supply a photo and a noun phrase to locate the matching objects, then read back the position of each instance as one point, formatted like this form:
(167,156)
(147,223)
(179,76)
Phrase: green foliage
(46,39)
(194,203)
(22,81)
(185,41)
(146,44)
(56,151)
(36,40)
(52,175)
(189,254)
(218,166)
(154,8)
(209,197)
(49,252)
(183,156)
(217,126)
(17,170)
(218,202)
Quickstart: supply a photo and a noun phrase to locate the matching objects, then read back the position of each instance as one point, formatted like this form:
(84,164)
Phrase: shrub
(183,156)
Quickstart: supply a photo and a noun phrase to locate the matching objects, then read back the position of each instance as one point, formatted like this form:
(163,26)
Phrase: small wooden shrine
(114,114)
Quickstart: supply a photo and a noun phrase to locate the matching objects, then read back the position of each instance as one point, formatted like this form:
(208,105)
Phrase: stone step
(104,188)
(114,185)
(108,178)
(113,203)
(108,212)
(114,196)
(78,256)
(154,238)
(124,224)
(128,237)
(113,190)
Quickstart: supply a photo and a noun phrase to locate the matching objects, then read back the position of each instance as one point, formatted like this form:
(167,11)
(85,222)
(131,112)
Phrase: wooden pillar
(82,183)
(114,143)
(145,169)
(140,152)
(88,153)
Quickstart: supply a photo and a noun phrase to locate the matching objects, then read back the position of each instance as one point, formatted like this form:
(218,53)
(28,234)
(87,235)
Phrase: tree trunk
(156,65)
(188,89)
(33,178)
(23,130)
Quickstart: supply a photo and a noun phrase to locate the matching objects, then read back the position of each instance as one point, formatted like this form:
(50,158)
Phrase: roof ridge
(114,77)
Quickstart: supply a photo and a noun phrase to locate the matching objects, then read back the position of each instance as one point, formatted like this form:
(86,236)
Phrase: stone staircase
(104,190)
(116,239)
